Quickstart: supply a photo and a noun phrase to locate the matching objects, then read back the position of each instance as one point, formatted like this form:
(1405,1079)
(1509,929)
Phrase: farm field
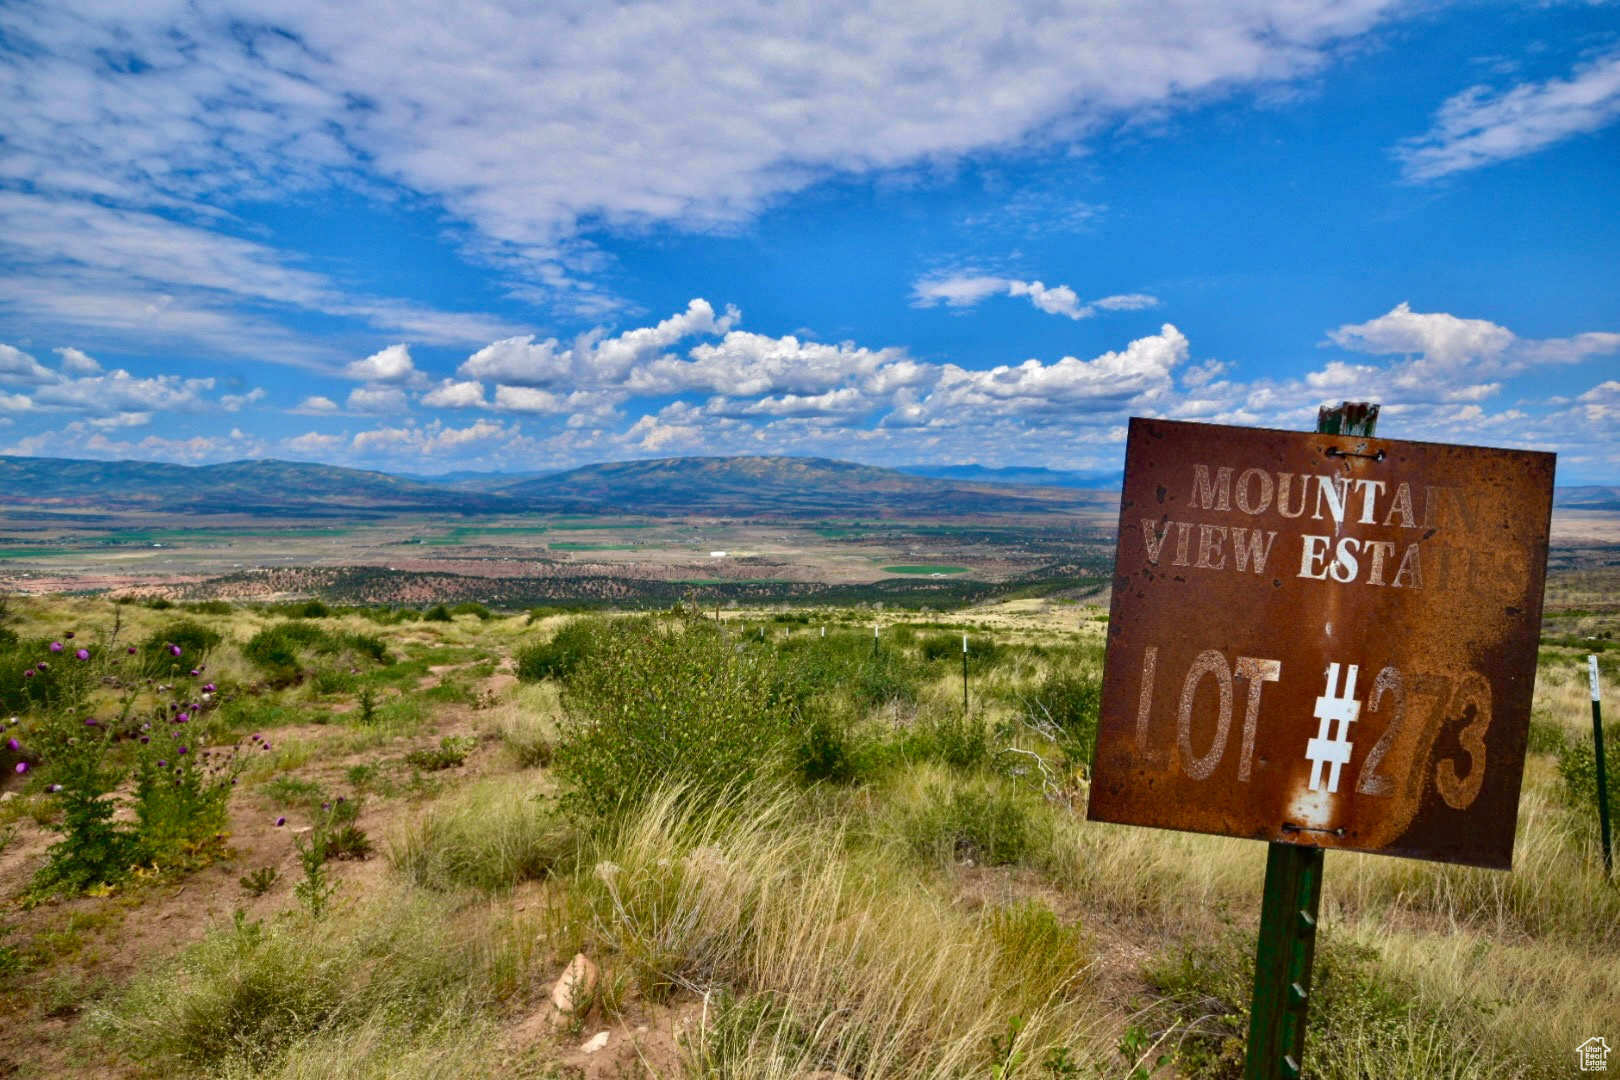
(505,559)
(783,849)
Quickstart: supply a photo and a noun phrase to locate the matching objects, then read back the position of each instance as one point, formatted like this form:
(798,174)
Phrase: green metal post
(1286,949)
(1602,771)
(1282,963)
(964,675)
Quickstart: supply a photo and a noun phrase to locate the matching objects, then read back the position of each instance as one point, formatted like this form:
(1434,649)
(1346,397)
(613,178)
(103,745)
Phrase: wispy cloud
(694,113)
(135,275)
(967,290)
(1480,126)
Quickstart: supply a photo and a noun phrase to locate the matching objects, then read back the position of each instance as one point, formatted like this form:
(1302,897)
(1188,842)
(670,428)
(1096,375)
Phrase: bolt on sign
(1323,640)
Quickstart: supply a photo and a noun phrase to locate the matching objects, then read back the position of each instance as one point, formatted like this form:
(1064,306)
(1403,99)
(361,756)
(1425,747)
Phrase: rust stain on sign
(1323,639)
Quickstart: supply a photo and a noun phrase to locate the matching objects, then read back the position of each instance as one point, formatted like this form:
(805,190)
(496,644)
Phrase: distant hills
(768,487)
(784,487)
(1587,498)
(1103,481)
(746,487)
(239,487)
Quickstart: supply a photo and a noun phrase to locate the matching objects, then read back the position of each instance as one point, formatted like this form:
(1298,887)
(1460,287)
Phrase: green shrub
(962,742)
(1577,767)
(1357,1008)
(546,611)
(195,640)
(438,613)
(1068,701)
(277,650)
(451,753)
(557,658)
(1546,736)
(331,680)
(472,607)
(388,616)
(845,664)
(659,703)
(828,751)
(982,654)
(368,645)
(987,825)
(490,835)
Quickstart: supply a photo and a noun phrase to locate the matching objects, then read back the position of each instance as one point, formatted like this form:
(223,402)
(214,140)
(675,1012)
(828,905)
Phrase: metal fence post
(1602,770)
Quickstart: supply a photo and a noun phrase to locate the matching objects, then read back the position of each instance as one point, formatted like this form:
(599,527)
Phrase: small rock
(8,796)
(594,1043)
(576,989)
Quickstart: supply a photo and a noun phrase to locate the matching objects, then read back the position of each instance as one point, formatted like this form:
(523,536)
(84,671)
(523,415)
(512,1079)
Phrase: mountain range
(761,487)
(769,487)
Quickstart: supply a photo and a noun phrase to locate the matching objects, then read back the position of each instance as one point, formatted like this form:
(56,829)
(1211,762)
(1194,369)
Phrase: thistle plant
(315,891)
(81,754)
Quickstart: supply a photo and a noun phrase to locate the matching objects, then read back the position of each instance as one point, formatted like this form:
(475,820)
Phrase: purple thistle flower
(174,650)
(326,806)
(43,666)
(83,654)
(13,744)
(162,764)
(56,646)
(53,789)
(208,688)
(182,718)
(340,798)
(280,821)
(22,767)
(181,750)
(28,674)
(90,721)
(195,673)
(145,739)
(68,635)
(265,745)
(130,650)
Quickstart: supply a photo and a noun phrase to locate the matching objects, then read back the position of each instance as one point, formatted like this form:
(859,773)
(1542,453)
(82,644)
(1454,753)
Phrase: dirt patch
(643,1042)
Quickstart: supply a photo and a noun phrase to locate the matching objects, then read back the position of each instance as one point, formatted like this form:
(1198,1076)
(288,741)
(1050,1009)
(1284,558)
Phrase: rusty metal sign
(1323,640)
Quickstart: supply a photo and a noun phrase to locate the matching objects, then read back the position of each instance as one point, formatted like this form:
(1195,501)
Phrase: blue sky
(428,237)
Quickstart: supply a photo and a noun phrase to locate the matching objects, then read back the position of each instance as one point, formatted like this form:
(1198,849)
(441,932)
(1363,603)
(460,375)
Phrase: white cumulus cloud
(377,399)
(77,362)
(594,358)
(392,366)
(18,367)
